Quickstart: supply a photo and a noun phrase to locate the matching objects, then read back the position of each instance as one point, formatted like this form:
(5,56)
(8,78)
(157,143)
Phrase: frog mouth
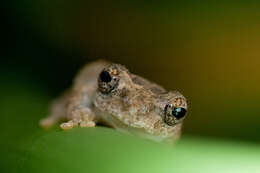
(112,121)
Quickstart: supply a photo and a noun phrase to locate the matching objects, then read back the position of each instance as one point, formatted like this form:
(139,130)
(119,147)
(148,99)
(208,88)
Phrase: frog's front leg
(79,110)
(81,116)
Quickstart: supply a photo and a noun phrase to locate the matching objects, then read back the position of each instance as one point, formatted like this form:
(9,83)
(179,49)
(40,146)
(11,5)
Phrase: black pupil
(179,112)
(105,76)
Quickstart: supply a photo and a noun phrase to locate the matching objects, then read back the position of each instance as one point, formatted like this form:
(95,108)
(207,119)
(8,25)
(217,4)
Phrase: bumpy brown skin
(128,103)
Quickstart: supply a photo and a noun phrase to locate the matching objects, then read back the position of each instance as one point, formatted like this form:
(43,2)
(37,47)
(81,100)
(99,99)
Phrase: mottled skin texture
(126,102)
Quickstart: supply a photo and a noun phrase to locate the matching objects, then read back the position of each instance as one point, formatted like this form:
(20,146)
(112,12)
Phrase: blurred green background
(209,51)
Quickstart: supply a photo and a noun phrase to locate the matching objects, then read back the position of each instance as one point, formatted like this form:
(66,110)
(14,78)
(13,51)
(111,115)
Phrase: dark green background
(209,51)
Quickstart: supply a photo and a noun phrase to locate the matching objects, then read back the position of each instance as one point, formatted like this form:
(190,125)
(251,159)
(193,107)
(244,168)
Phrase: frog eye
(105,76)
(107,81)
(179,112)
(173,115)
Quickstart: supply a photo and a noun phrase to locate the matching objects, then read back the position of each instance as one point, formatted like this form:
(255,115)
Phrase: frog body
(108,93)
